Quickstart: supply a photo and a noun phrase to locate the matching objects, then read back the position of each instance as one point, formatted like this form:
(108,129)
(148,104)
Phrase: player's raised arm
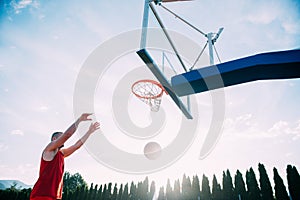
(60,140)
(93,127)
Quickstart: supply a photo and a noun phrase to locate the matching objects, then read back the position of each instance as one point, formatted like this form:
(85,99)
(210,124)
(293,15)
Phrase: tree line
(190,188)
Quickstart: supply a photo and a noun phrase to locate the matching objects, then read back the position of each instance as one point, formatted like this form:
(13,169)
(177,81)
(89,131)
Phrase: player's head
(55,135)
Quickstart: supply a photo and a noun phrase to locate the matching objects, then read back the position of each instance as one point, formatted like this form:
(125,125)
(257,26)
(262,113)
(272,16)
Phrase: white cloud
(265,13)
(240,124)
(246,126)
(279,126)
(291,27)
(261,17)
(24,3)
(286,128)
(17,132)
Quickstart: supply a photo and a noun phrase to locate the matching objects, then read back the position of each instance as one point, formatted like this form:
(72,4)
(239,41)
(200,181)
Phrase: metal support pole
(188,103)
(210,47)
(177,16)
(145,25)
(167,35)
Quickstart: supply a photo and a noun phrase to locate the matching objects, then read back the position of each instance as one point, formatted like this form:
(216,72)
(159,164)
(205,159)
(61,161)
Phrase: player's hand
(85,117)
(94,126)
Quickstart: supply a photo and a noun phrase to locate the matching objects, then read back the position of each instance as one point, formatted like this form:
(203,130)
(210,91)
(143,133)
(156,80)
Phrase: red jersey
(50,181)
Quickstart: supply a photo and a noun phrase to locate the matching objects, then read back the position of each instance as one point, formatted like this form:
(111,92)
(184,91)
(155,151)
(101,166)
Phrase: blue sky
(43,45)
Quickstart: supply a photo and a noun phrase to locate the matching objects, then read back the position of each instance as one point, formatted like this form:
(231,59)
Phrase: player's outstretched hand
(85,117)
(93,127)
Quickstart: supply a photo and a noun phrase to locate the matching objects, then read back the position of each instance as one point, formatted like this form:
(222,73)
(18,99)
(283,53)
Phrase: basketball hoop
(150,92)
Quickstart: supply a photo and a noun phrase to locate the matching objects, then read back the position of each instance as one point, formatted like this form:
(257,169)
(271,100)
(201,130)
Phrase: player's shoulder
(48,155)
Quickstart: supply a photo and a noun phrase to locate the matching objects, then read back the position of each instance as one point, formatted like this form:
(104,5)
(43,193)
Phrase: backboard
(170,46)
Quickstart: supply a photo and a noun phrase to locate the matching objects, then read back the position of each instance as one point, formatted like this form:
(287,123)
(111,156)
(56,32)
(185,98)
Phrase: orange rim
(148,81)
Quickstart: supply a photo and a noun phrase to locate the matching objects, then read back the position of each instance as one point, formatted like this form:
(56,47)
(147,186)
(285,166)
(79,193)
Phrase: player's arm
(68,151)
(68,133)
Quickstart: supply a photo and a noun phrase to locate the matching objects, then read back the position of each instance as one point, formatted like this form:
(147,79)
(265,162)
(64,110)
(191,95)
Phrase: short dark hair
(55,134)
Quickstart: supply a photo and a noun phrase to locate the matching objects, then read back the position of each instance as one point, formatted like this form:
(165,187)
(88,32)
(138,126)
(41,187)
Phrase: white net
(150,92)
(153,103)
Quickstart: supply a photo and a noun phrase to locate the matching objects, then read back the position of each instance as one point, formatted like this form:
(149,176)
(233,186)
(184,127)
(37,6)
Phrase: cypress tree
(239,185)
(161,195)
(75,195)
(139,191)
(227,186)
(224,193)
(186,187)
(205,192)
(252,185)
(94,193)
(109,189)
(189,189)
(293,182)
(265,185)
(115,193)
(176,192)
(90,192)
(99,193)
(216,189)
(105,194)
(280,189)
(145,188)
(120,193)
(152,190)
(142,189)
(133,194)
(125,195)
(85,193)
(195,188)
(169,191)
